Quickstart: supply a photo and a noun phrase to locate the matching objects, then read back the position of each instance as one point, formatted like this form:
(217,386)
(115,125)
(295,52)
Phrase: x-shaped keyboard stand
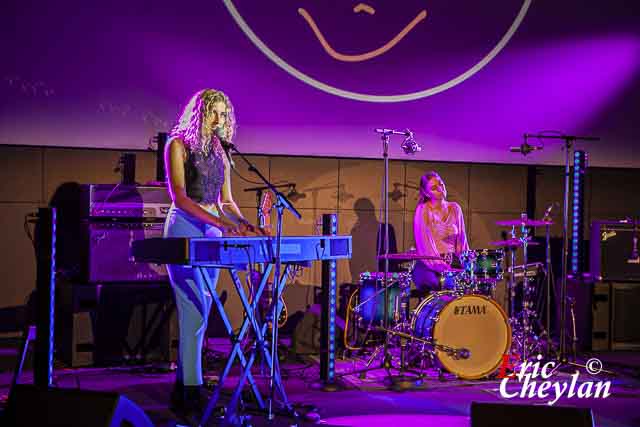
(260,345)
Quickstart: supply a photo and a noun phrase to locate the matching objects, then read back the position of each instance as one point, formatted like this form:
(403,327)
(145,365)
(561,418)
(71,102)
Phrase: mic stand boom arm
(562,137)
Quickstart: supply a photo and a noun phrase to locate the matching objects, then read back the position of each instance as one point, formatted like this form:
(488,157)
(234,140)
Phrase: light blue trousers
(193,300)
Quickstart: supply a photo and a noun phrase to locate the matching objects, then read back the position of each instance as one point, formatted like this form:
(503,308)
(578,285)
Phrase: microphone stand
(281,204)
(261,222)
(549,267)
(568,140)
(410,147)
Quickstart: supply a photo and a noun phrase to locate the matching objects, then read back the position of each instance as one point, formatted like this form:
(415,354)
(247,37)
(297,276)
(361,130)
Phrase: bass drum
(472,322)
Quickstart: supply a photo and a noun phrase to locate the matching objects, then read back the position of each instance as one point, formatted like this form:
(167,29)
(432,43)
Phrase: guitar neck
(264,212)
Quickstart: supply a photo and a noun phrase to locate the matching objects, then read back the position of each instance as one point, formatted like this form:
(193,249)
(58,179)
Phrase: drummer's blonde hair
(424,185)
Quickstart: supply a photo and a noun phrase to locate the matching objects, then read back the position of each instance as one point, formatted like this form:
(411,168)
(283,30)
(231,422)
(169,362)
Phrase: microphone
(409,145)
(227,145)
(219,131)
(525,148)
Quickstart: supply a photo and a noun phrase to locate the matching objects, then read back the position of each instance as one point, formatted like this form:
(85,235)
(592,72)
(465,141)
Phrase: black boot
(193,397)
(177,397)
(186,403)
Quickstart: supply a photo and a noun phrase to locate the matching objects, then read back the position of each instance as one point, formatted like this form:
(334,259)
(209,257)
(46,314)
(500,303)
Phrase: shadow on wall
(368,241)
(66,200)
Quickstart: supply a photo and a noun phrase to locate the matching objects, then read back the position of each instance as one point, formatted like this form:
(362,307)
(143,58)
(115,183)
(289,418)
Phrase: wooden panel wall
(29,177)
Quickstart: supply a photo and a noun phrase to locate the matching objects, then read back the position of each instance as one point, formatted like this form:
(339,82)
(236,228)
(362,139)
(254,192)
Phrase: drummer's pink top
(434,236)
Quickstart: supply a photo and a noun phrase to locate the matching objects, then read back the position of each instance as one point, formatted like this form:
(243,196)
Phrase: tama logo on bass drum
(469,309)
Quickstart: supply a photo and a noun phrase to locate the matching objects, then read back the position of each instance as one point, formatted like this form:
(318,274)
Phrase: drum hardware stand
(400,318)
(568,141)
(512,281)
(456,353)
(548,278)
(281,204)
(404,286)
(526,342)
(529,342)
(401,381)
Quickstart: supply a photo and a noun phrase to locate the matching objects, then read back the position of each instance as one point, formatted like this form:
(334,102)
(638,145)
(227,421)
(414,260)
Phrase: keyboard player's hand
(248,229)
(264,231)
(231,231)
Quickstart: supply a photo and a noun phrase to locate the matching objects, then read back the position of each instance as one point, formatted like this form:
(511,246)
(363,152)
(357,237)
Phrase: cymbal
(513,243)
(409,256)
(525,222)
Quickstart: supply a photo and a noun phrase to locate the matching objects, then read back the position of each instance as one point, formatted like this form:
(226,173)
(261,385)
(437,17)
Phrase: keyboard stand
(259,347)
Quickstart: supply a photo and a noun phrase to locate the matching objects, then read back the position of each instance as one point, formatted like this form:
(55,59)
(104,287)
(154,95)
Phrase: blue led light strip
(329,306)
(577,211)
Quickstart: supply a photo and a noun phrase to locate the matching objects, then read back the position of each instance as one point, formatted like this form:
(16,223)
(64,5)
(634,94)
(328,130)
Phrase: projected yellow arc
(411,96)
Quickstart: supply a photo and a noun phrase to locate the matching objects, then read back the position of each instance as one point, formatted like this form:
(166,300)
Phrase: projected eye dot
(342,38)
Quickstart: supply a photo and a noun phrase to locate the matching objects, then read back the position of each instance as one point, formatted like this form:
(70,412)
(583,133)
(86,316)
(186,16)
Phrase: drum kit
(461,328)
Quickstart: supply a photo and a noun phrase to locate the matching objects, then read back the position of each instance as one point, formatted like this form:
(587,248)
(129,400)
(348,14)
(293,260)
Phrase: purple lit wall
(468,77)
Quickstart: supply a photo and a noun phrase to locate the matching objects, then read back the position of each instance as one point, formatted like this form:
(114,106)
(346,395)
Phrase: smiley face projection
(397,48)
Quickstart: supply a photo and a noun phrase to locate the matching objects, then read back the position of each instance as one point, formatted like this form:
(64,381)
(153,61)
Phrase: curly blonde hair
(197,111)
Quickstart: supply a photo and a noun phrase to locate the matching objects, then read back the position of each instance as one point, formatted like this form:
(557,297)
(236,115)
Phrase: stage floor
(357,402)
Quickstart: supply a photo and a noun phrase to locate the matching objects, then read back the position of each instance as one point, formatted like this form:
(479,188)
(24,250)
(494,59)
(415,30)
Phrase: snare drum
(472,322)
(462,284)
(455,281)
(483,264)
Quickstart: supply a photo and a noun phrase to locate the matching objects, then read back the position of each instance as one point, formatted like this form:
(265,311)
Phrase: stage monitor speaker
(508,415)
(614,316)
(601,309)
(625,328)
(53,407)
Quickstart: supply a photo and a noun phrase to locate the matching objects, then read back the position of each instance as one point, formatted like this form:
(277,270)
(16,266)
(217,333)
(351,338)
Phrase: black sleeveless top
(204,176)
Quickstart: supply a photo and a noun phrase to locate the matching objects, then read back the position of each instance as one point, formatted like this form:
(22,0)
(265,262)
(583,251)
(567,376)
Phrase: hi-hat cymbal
(408,256)
(524,222)
(513,243)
